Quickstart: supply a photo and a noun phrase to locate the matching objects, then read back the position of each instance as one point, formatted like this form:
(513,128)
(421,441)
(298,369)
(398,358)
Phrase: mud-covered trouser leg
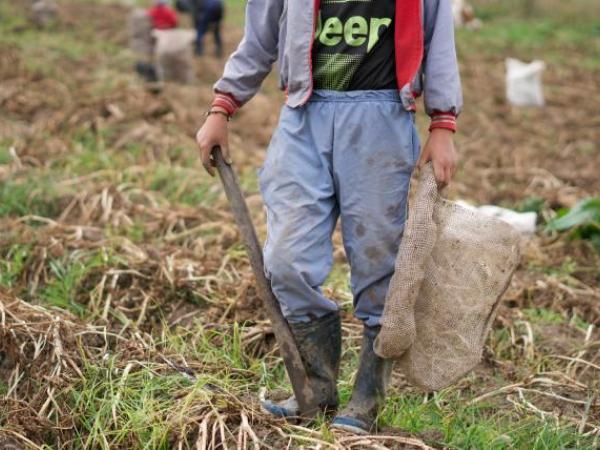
(352,152)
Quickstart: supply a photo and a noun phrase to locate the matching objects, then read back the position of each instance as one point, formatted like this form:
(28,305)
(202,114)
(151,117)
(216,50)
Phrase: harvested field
(128,315)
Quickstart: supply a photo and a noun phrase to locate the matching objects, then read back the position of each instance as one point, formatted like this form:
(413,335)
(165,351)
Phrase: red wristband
(227,102)
(443,120)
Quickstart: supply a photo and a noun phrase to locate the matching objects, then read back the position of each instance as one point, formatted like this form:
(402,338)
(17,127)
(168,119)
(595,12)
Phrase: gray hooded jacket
(283,31)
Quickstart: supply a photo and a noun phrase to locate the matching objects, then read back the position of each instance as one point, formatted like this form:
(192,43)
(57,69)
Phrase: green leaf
(586,212)
(532,204)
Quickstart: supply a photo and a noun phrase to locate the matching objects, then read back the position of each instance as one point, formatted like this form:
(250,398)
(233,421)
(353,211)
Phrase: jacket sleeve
(443,93)
(248,66)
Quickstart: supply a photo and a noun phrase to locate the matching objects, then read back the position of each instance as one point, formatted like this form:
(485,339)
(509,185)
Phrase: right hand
(213,133)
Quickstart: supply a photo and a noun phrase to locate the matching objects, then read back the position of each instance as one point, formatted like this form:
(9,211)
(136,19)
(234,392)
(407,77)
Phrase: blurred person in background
(163,16)
(208,14)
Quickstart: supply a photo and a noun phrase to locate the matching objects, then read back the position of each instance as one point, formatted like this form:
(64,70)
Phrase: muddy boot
(319,343)
(370,385)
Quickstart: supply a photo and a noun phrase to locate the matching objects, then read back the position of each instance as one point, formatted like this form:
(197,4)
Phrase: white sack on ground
(523,222)
(174,55)
(139,26)
(452,268)
(524,82)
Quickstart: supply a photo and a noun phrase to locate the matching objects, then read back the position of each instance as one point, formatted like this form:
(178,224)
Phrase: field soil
(128,313)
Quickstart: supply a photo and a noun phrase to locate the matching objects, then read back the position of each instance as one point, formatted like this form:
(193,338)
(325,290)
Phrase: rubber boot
(369,390)
(319,343)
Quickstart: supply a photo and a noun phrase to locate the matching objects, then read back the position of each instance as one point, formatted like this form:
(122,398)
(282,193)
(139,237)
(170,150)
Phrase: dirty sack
(174,55)
(139,27)
(453,266)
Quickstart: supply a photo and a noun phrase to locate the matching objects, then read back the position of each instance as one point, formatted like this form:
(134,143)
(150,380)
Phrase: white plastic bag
(523,222)
(524,82)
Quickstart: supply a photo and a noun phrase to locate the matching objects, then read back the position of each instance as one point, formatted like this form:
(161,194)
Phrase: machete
(303,391)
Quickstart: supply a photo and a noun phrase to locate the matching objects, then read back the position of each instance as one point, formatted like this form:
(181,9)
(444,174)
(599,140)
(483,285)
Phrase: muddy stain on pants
(343,154)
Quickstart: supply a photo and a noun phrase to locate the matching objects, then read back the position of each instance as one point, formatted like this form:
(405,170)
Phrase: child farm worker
(346,146)
(162,17)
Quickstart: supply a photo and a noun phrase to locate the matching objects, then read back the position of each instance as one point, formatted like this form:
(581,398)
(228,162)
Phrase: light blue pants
(348,154)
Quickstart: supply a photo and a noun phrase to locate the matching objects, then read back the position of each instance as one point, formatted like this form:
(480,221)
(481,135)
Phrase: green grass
(28,196)
(54,41)
(557,33)
(5,157)
(147,406)
(248,180)
(12,264)
(3,389)
(67,274)
(543,316)
(144,407)
(483,425)
(136,232)
(235,12)
(182,185)
(573,11)
(90,154)
(338,282)
(117,408)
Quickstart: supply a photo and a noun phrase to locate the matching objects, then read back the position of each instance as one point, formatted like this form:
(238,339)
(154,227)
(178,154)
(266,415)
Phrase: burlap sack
(139,27)
(452,268)
(174,55)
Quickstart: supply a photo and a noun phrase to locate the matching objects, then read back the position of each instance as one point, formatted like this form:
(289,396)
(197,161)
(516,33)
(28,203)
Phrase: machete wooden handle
(307,400)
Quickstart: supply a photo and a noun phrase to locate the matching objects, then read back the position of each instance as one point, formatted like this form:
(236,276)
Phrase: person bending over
(163,16)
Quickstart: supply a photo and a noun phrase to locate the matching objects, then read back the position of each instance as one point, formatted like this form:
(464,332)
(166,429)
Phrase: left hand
(439,149)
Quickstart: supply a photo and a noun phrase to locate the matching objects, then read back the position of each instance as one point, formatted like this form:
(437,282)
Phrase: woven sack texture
(453,266)
(174,55)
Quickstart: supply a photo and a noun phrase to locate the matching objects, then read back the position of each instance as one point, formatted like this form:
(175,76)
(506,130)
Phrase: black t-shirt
(354,45)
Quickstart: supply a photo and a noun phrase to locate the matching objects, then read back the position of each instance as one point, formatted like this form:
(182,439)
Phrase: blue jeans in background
(211,14)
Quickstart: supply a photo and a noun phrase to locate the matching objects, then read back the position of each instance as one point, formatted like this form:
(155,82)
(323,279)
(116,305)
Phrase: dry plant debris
(127,307)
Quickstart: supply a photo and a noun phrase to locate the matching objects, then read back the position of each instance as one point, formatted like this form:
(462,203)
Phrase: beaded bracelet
(215,111)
